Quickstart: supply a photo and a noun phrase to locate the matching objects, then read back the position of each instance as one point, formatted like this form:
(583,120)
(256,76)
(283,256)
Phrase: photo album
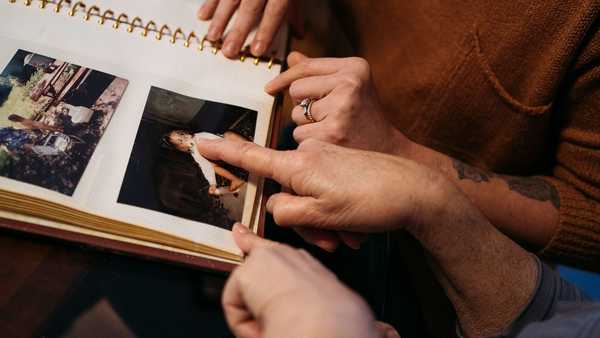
(101,102)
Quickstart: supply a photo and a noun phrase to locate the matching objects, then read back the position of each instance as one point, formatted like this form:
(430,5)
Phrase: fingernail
(392,334)
(230,49)
(212,33)
(199,139)
(268,88)
(258,48)
(354,245)
(327,246)
(200,12)
(242,229)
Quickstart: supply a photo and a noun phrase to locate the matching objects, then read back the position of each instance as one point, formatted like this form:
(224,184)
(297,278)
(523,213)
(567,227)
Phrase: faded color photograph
(166,173)
(52,115)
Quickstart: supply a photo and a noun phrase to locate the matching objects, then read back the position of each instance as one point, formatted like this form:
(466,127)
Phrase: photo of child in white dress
(166,173)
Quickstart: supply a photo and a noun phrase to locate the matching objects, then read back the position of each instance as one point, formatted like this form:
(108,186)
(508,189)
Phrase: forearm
(524,208)
(488,278)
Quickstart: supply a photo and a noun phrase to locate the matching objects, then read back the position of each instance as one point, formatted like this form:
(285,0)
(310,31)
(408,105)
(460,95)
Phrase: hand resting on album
(269,15)
(345,108)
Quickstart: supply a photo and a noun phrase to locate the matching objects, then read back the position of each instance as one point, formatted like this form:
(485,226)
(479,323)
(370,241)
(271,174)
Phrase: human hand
(270,13)
(283,292)
(346,107)
(340,189)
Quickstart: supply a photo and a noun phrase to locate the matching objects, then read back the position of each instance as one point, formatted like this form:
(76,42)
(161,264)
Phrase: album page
(104,120)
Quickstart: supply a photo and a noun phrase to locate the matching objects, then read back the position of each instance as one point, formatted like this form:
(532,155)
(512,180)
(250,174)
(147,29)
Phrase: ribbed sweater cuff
(577,239)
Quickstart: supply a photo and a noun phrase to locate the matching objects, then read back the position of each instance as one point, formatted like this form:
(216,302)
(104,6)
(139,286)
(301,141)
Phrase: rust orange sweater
(509,86)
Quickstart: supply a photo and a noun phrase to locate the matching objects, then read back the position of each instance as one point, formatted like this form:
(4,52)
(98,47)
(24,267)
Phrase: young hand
(346,109)
(268,14)
(283,292)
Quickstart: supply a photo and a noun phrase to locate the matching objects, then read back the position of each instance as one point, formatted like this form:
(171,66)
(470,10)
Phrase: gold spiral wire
(150,26)
(132,24)
(75,7)
(164,29)
(108,14)
(120,20)
(59,5)
(147,28)
(174,36)
(91,11)
(188,41)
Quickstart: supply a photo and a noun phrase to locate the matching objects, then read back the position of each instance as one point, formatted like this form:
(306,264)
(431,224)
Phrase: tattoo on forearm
(467,172)
(535,188)
(530,187)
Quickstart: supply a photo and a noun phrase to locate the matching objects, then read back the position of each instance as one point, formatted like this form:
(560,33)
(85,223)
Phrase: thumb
(293,211)
(248,241)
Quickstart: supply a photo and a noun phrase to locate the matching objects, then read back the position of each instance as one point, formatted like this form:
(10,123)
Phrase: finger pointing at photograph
(261,161)
(354,197)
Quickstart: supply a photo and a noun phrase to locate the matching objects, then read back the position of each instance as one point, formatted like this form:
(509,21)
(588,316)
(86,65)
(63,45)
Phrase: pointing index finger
(249,156)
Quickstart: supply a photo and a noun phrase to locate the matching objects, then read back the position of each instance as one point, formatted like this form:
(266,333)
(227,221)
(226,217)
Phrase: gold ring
(306,104)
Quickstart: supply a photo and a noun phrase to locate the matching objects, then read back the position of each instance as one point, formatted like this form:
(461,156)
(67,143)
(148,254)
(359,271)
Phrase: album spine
(146,29)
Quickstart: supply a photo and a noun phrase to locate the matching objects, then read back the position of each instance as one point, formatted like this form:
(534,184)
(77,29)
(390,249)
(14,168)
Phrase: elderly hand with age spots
(338,189)
(335,191)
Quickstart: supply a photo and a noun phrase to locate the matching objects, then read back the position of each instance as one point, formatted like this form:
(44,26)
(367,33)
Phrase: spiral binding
(122,19)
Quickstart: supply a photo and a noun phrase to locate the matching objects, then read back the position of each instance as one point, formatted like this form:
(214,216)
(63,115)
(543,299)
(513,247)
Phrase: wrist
(438,199)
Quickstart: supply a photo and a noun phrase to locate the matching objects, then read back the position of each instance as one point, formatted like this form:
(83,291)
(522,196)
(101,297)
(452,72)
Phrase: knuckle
(307,146)
(304,159)
(346,105)
(353,82)
(361,65)
(262,254)
(299,136)
(295,89)
(310,148)
(245,149)
(307,67)
(337,132)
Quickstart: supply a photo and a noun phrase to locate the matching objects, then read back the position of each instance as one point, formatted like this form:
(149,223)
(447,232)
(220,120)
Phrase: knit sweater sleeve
(576,174)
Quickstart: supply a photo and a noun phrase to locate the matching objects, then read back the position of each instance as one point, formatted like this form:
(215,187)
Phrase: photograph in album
(52,116)
(166,173)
